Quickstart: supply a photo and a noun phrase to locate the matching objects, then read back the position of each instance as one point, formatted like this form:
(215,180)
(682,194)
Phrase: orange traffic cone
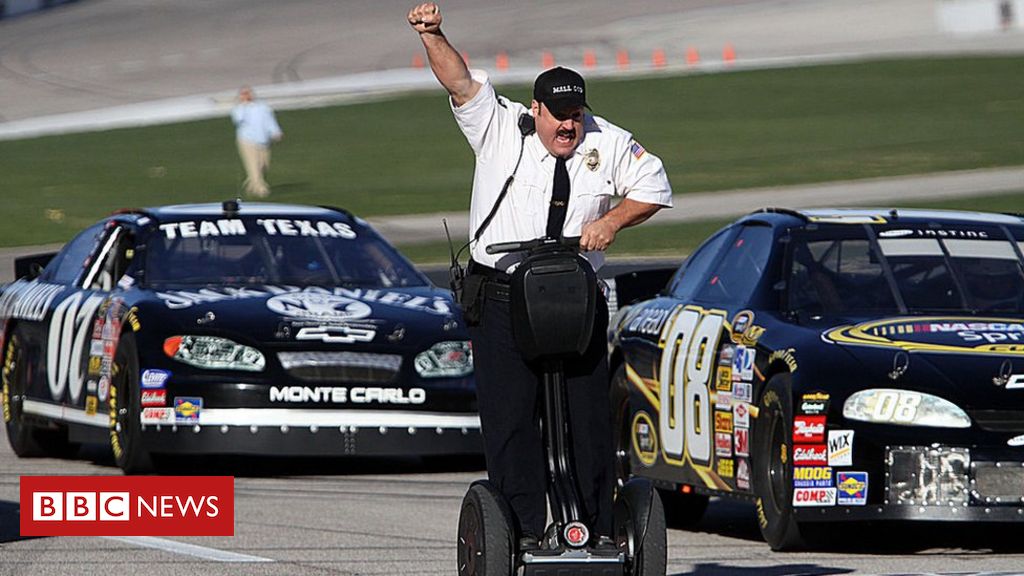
(692,56)
(501,61)
(465,58)
(417,61)
(547,60)
(622,59)
(589,59)
(658,58)
(729,54)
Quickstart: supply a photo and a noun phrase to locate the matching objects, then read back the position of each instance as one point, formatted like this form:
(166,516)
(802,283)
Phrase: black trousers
(510,395)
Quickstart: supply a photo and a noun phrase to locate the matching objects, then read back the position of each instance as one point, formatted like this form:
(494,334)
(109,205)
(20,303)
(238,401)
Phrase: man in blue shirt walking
(256,129)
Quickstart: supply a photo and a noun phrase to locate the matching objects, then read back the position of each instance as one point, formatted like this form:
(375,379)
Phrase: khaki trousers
(256,160)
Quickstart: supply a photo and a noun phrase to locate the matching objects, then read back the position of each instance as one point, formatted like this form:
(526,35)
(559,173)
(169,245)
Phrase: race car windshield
(911,274)
(275,251)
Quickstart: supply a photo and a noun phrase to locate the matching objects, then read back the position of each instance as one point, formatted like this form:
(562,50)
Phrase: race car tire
(620,420)
(639,526)
(125,410)
(485,545)
(772,469)
(22,435)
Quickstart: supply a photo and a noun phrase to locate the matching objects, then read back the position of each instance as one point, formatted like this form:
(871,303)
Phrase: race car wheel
(639,525)
(772,469)
(485,533)
(23,436)
(125,410)
(621,420)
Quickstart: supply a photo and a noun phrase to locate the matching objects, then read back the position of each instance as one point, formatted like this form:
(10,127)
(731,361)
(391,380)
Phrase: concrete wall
(980,16)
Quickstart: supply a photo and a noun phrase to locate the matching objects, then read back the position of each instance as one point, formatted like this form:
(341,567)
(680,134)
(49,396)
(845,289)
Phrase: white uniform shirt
(607,163)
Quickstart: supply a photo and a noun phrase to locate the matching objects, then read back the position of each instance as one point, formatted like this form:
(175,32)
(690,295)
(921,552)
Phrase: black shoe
(529,544)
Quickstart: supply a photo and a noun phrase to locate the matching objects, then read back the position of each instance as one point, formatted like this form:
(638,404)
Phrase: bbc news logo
(127,506)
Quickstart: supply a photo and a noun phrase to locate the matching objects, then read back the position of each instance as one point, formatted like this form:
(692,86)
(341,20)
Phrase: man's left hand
(598,235)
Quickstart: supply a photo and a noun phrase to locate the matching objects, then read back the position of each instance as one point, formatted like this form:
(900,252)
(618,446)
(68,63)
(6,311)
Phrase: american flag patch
(636,149)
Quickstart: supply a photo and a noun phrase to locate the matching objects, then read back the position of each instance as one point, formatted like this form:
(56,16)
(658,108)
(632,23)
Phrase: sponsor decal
(723,444)
(187,408)
(316,229)
(103,388)
(723,400)
(725,357)
(742,436)
(724,379)
(345,395)
(725,468)
(786,356)
(180,299)
(933,233)
(723,422)
(645,439)
(810,455)
(127,506)
(318,306)
(163,415)
(204,228)
(742,474)
(95,363)
(814,403)
(153,378)
(812,477)
(91,404)
(28,300)
(337,334)
(648,321)
(154,397)
(809,429)
(814,497)
(742,321)
(852,488)
(741,414)
(743,391)
(966,335)
(840,447)
(743,364)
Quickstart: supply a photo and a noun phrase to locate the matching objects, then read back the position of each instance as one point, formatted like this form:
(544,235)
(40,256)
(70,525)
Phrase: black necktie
(559,200)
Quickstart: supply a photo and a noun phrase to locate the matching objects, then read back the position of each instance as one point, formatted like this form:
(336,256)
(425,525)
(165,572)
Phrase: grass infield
(405,155)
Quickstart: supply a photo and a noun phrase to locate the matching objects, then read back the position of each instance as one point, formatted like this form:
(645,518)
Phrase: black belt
(496,281)
(496,291)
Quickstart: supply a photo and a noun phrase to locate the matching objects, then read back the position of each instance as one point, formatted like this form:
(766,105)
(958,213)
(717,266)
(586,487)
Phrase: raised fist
(426,18)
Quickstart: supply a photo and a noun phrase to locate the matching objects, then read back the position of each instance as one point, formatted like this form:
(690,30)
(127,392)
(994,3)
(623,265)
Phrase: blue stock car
(832,365)
(233,329)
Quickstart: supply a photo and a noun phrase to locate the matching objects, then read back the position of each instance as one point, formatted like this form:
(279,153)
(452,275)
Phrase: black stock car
(259,329)
(833,365)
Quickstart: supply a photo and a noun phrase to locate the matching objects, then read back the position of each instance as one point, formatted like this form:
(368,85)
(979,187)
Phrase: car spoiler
(640,285)
(31,266)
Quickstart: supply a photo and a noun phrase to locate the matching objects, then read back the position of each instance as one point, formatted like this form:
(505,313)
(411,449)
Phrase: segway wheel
(640,528)
(485,533)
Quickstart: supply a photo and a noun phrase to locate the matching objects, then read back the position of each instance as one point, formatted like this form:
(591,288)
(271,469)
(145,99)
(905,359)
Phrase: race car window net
(860,270)
(259,258)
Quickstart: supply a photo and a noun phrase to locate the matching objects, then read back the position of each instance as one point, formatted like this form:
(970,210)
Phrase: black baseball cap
(560,89)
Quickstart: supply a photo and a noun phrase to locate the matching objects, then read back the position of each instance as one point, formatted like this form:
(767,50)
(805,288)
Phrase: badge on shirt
(592,159)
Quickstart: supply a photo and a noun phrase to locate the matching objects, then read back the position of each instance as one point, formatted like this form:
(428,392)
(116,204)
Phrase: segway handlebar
(521,245)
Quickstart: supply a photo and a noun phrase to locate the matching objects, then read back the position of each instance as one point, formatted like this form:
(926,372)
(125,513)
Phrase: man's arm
(445,61)
(599,234)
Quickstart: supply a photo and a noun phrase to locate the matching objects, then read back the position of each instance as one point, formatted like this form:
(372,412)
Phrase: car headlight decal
(214,353)
(450,359)
(904,408)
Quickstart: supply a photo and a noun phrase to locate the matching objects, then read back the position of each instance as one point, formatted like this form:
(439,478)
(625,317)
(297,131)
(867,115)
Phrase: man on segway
(550,170)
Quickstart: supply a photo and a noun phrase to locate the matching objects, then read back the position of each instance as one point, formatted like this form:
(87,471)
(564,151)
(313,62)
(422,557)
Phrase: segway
(553,294)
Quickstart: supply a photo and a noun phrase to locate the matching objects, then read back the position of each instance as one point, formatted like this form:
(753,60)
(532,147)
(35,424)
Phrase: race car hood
(968,360)
(279,315)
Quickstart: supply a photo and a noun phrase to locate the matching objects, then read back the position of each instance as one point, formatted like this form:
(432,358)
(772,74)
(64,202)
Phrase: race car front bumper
(306,432)
(939,483)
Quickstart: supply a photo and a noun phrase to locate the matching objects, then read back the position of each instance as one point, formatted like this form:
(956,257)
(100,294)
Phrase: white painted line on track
(175,547)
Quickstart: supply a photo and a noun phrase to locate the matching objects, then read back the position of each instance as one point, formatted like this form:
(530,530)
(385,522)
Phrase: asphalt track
(399,517)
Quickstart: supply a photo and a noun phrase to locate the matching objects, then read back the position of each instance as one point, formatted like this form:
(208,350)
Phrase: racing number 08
(687,363)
